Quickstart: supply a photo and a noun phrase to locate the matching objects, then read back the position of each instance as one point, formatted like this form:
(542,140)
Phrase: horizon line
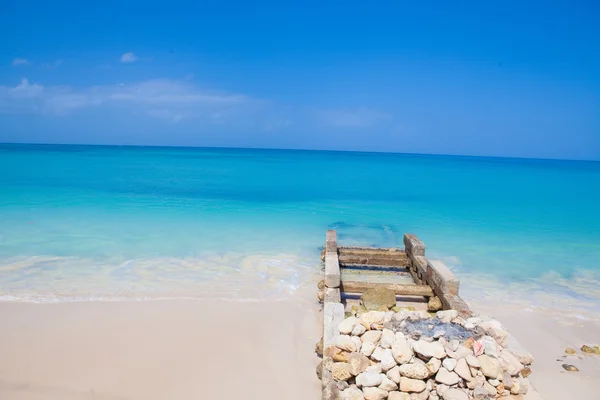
(299,149)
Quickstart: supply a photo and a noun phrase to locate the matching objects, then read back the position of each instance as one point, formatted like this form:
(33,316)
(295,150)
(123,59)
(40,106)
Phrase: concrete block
(332,295)
(440,278)
(453,302)
(413,245)
(331,242)
(332,270)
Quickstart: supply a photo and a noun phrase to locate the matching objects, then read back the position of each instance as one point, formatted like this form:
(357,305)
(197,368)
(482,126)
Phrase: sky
(488,78)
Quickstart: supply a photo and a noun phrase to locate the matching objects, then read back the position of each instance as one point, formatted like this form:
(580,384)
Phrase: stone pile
(376,357)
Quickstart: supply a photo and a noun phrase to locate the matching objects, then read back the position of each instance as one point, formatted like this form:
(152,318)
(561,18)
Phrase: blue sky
(508,78)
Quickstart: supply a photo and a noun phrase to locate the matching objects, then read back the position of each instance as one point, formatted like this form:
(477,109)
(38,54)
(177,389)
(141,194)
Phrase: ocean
(109,222)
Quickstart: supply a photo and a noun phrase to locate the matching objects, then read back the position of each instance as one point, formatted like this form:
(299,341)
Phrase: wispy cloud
(20,61)
(355,118)
(129,57)
(166,99)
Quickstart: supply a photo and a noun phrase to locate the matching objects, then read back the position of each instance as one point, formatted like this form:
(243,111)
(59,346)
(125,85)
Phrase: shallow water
(98,222)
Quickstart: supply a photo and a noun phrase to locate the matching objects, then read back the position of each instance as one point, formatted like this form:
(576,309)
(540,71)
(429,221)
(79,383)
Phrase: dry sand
(546,335)
(164,349)
(215,349)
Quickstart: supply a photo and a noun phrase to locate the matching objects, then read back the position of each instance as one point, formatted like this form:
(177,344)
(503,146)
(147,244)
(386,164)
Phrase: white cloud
(20,61)
(165,99)
(356,118)
(129,57)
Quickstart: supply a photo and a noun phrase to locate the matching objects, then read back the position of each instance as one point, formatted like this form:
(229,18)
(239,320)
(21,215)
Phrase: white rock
(347,325)
(387,339)
(394,374)
(388,316)
(358,330)
(441,389)
(387,384)
(424,395)
(473,361)
(469,325)
(371,337)
(510,363)
(412,385)
(368,379)
(494,382)
(433,366)
(378,353)
(446,377)
(401,350)
(462,369)
(414,371)
(461,352)
(523,385)
(398,396)
(489,366)
(352,393)
(376,368)
(453,344)
(449,363)
(489,347)
(373,393)
(446,316)
(455,394)
(386,358)
(367,348)
(428,350)
(479,393)
(357,342)
(344,342)
(371,318)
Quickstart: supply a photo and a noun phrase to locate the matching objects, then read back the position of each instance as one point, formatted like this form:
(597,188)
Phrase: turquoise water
(101,222)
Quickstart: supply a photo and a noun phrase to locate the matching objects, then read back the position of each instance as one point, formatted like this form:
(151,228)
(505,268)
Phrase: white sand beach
(169,349)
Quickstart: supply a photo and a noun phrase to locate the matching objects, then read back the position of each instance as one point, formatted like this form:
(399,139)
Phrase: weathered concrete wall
(436,274)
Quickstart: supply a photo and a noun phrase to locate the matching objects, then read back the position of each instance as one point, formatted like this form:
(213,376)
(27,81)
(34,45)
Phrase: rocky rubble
(377,357)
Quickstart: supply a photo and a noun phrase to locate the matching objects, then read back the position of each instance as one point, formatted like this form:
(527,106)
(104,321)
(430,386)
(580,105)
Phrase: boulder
(449,363)
(455,394)
(331,392)
(446,316)
(368,379)
(433,366)
(394,374)
(378,298)
(412,385)
(336,353)
(398,396)
(367,348)
(414,371)
(489,366)
(371,336)
(358,330)
(356,341)
(358,363)
(429,349)
(372,319)
(341,371)
(347,325)
(387,339)
(344,342)
(446,377)
(387,384)
(373,393)
(462,369)
(352,393)
(510,363)
(473,361)
(401,350)
(434,304)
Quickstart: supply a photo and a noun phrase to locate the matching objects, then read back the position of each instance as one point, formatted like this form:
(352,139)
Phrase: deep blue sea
(109,222)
